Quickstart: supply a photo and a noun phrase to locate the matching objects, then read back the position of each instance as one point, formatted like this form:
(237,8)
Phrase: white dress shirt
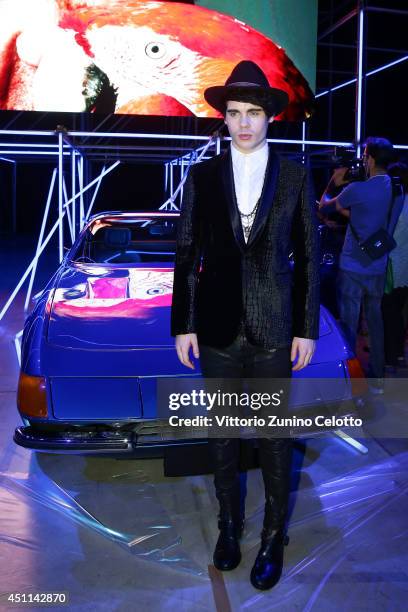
(249,174)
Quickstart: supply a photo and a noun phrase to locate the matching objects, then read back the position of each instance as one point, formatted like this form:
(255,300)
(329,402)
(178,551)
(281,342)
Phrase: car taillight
(358,381)
(32,395)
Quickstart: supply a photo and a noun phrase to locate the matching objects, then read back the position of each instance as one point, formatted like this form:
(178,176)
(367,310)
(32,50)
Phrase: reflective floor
(118,535)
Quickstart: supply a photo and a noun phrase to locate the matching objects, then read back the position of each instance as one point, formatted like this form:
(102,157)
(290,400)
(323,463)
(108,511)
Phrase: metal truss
(183,165)
(71,212)
(361,13)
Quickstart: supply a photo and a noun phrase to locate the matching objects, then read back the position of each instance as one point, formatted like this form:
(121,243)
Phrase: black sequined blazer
(220,281)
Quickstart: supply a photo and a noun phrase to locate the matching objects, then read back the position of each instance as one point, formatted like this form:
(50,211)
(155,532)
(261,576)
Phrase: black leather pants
(244,360)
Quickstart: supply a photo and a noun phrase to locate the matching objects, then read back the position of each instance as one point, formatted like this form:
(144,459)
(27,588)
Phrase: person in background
(396,290)
(361,280)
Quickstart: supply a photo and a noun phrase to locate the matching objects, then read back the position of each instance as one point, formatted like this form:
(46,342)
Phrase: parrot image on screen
(131,56)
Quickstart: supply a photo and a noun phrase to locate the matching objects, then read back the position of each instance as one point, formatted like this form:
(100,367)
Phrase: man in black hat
(236,301)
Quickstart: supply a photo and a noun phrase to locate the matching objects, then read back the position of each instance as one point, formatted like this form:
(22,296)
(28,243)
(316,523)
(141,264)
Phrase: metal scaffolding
(177,152)
(360,14)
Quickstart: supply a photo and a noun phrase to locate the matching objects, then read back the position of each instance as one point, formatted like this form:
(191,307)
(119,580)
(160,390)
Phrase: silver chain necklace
(247,220)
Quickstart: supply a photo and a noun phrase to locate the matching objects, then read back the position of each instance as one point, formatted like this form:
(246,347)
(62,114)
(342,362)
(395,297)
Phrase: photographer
(362,277)
(396,288)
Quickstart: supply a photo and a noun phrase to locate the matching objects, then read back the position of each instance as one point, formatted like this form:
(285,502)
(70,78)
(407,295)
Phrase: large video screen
(150,57)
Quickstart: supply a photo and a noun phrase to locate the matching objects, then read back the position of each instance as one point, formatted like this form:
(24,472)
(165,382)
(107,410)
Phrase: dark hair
(400,170)
(381,150)
(251,95)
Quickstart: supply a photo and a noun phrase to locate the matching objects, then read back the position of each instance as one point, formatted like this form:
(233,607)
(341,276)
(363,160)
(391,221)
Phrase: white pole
(73,187)
(71,231)
(98,184)
(60,196)
(81,190)
(166,176)
(40,238)
(360,76)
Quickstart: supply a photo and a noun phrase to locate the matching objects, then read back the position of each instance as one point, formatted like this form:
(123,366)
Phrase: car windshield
(128,240)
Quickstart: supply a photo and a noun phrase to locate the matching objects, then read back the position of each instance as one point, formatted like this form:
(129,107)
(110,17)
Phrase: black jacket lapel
(267,195)
(268,192)
(229,188)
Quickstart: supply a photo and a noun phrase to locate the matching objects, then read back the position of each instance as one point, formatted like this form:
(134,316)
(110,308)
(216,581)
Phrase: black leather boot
(275,459)
(227,553)
(267,568)
(225,454)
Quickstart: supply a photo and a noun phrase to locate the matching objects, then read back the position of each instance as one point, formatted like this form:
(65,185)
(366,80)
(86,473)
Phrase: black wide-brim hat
(247,77)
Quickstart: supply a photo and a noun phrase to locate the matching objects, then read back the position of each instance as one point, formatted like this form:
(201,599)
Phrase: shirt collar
(255,158)
(375,176)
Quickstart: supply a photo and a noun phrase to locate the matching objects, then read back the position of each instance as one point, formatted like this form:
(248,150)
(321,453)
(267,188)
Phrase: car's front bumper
(143,441)
(73,441)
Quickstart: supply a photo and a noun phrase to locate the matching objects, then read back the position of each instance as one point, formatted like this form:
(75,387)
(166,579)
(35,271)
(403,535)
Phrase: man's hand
(338,177)
(183,343)
(328,200)
(303,349)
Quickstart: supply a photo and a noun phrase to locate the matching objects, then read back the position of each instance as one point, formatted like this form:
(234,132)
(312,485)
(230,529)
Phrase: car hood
(96,307)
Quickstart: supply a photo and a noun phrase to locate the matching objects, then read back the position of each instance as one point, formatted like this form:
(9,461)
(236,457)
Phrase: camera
(344,157)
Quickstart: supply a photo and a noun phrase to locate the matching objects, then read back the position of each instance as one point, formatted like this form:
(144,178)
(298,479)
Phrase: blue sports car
(98,340)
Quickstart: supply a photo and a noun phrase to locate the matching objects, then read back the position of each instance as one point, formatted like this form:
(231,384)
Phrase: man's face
(247,124)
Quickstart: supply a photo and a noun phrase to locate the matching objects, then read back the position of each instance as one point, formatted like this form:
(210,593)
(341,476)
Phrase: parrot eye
(155,50)
(155,291)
